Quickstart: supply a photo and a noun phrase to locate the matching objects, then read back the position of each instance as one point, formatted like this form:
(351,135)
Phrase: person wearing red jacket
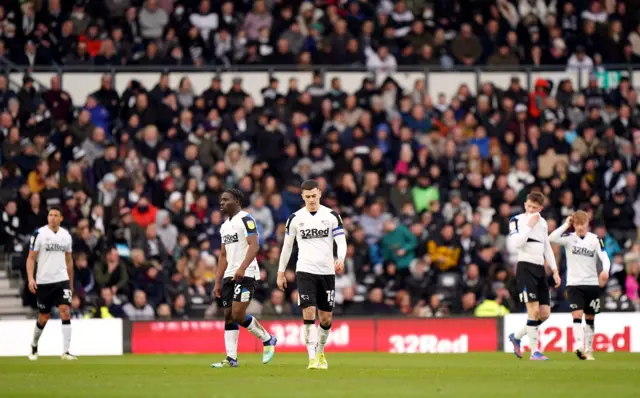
(537,97)
(144,213)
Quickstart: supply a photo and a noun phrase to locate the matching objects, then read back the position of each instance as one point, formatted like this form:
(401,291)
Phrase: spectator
(11,227)
(615,300)
(276,306)
(98,114)
(466,47)
(37,214)
(376,304)
(491,307)
(259,18)
(180,308)
(58,101)
(139,310)
(434,309)
(382,61)
(424,194)
(112,273)
(167,232)
(503,57)
(373,222)
(78,310)
(164,312)
(262,215)
(205,19)
(106,308)
(456,206)
(152,20)
(144,213)
(36,178)
(84,280)
(420,281)
(521,176)
(632,283)
(398,244)
(445,252)
(580,60)
(148,277)
(117,8)
(93,148)
(621,215)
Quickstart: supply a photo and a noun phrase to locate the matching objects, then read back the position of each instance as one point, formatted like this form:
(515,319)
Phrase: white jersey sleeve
(559,236)
(603,256)
(289,239)
(339,236)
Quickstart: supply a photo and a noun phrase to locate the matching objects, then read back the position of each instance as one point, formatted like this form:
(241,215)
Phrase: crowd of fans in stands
(379,34)
(426,186)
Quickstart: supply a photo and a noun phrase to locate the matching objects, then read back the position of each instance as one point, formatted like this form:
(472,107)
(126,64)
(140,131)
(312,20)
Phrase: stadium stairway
(10,302)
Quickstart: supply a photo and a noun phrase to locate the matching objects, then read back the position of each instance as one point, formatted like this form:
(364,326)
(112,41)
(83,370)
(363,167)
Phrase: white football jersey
(314,233)
(532,243)
(234,232)
(51,248)
(582,256)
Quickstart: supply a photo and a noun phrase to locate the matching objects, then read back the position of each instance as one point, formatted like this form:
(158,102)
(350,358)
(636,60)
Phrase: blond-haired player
(583,249)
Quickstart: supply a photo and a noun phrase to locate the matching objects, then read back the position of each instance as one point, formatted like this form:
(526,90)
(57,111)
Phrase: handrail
(299,68)
(474,76)
(10,66)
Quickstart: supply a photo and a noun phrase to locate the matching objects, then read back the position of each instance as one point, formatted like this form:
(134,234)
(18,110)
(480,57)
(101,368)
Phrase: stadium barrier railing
(614,332)
(80,81)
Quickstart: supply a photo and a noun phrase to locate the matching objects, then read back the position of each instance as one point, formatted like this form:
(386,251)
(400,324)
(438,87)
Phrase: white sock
(256,329)
(37,332)
(323,336)
(532,332)
(66,335)
(520,333)
(589,330)
(578,335)
(231,340)
(310,339)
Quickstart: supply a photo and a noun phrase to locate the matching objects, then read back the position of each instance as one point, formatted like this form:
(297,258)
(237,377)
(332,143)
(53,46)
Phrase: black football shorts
(531,282)
(241,292)
(316,291)
(51,295)
(586,298)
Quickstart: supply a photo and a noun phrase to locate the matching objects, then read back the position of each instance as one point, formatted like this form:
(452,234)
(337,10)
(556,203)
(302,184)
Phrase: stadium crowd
(379,34)
(425,184)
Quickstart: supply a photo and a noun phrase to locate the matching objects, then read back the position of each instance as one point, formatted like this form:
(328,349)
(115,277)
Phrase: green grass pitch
(349,375)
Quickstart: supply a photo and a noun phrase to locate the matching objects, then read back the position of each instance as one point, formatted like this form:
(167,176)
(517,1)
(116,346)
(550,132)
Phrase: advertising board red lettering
(614,332)
(346,336)
(436,336)
(399,336)
(561,339)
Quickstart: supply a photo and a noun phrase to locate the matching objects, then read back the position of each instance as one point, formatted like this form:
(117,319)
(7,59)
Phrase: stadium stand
(426,122)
